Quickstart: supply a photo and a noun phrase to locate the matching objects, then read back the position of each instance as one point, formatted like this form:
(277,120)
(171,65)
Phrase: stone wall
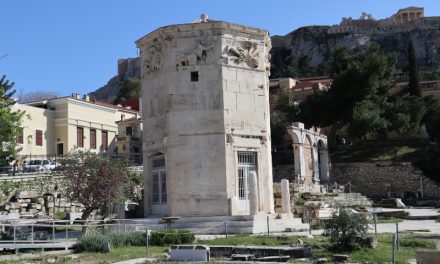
(383,179)
(35,195)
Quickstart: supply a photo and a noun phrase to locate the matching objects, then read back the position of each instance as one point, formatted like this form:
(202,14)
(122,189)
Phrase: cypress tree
(413,85)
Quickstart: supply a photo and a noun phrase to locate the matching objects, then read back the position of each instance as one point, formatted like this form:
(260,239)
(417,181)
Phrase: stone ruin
(28,204)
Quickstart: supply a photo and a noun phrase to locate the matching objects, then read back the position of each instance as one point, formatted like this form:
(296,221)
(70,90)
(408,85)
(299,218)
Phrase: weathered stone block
(26,195)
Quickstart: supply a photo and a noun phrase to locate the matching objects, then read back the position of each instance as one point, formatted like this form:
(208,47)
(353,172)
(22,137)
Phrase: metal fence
(62,234)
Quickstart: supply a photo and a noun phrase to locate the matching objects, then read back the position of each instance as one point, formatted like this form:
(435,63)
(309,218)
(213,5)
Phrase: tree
(37,96)
(367,118)
(432,117)
(359,82)
(405,114)
(94,181)
(129,88)
(10,119)
(283,116)
(413,85)
(345,228)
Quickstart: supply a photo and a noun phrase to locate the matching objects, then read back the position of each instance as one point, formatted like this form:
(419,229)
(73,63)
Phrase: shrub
(129,238)
(91,242)
(60,215)
(345,227)
(5,236)
(169,237)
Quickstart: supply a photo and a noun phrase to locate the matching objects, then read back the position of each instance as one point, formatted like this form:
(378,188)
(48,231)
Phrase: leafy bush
(129,238)
(60,215)
(344,229)
(5,236)
(169,237)
(91,242)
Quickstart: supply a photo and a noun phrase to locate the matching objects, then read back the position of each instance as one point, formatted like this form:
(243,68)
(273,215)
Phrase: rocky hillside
(126,68)
(308,48)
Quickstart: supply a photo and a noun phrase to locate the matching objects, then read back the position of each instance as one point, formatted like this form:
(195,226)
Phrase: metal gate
(246,165)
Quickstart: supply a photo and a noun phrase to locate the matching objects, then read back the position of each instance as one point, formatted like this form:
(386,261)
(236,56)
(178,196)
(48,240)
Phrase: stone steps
(216,224)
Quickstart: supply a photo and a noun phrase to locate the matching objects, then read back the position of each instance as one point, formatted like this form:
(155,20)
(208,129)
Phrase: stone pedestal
(285,196)
(233,205)
(253,194)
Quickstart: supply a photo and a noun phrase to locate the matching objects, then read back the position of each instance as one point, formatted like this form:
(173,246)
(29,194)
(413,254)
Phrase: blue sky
(73,46)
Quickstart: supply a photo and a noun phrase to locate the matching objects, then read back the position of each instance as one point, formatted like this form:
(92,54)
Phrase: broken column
(285,197)
(253,193)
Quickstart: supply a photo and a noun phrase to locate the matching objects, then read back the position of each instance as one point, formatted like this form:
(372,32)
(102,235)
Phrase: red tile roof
(119,107)
(133,103)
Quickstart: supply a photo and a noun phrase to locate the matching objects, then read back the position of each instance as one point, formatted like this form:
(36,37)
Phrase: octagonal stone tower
(206,120)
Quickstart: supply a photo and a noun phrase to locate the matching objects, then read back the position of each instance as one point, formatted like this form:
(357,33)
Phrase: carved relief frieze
(196,55)
(246,53)
(152,56)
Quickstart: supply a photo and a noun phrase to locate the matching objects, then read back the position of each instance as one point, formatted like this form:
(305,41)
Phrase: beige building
(129,139)
(205,106)
(55,126)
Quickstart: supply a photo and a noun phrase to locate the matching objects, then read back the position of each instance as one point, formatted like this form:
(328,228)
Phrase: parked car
(40,165)
(6,168)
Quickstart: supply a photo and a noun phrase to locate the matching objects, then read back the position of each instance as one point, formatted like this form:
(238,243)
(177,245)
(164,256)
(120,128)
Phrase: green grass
(374,153)
(321,246)
(382,253)
(120,254)
(261,240)
(389,220)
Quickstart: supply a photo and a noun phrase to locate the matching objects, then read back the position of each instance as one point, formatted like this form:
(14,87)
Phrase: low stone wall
(386,179)
(31,204)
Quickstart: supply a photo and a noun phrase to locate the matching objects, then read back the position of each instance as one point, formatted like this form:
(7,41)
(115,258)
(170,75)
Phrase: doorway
(246,165)
(159,188)
(60,149)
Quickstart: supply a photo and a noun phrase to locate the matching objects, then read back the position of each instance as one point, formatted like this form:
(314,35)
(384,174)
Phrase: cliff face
(127,68)
(311,46)
(317,43)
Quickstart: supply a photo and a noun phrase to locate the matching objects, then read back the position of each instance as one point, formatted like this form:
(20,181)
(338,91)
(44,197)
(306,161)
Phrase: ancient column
(285,197)
(324,171)
(299,160)
(316,168)
(253,193)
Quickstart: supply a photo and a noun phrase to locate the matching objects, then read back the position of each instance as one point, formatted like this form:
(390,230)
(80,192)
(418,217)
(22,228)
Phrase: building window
(80,137)
(38,137)
(104,137)
(129,131)
(20,139)
(92,139)
(194,76)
